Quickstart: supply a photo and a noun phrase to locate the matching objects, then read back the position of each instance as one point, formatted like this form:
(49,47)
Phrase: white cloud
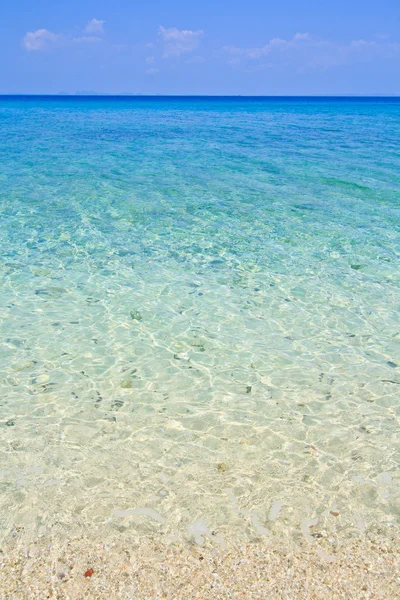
(177,42)
(39,40)
(95,26)
(150,60)
(152,71)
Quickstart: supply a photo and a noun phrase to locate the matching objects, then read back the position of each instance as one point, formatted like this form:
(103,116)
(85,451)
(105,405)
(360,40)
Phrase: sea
(199,317)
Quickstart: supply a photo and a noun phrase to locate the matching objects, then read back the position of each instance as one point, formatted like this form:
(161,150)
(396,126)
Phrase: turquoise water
(199,304)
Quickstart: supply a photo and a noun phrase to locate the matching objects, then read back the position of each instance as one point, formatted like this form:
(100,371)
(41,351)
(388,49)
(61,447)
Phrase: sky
(221,47)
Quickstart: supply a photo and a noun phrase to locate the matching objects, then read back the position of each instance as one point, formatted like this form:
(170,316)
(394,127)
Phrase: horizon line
(140,95)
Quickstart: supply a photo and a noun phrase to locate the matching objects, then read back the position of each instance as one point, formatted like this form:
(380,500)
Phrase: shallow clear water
(199,304)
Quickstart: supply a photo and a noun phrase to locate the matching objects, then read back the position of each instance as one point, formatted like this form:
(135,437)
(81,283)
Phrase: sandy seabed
(79,568)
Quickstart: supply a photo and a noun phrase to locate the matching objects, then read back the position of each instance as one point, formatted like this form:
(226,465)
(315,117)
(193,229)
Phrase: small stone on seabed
(42,378)
(22,366)
(135,315)
(127,383)
(222,467)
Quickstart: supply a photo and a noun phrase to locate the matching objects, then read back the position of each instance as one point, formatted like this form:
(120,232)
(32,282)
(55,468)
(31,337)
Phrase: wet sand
(123,568)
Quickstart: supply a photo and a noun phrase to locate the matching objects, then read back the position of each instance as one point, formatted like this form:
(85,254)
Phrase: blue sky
(207,47)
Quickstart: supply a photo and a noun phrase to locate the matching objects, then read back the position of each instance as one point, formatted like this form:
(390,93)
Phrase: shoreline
(142,568)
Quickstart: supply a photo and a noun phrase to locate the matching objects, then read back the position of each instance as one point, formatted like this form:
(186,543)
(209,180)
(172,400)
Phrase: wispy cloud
(43,39)
(195,60)
(84,39)
(307,51)
(331,54)
(95,26)
(179,41)
(273,44)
